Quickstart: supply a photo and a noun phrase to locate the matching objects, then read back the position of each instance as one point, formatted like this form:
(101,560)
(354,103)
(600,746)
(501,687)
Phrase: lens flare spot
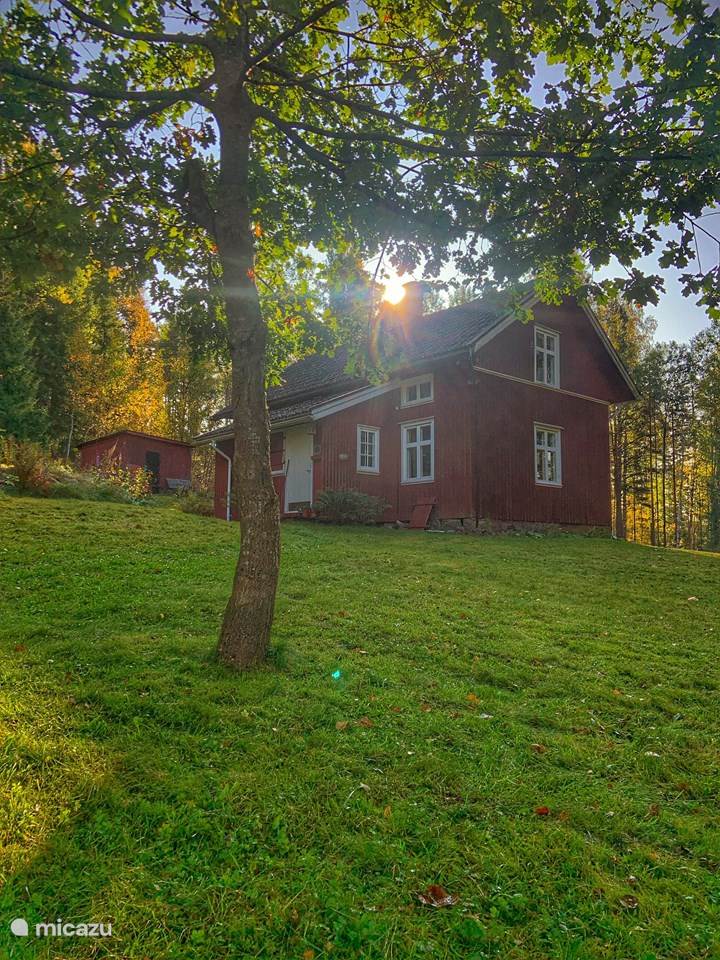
(394,290)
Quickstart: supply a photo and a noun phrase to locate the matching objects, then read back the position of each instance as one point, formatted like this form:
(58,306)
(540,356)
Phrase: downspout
(229,478)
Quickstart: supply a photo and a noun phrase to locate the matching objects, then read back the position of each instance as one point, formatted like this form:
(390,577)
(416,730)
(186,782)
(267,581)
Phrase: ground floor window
(418,451)
(548,457)
(368,449)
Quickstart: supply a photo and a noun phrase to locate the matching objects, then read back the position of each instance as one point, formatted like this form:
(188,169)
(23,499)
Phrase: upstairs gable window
(547,357)
(419,390)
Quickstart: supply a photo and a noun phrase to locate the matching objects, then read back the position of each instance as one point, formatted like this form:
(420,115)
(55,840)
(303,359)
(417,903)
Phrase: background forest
(86,358)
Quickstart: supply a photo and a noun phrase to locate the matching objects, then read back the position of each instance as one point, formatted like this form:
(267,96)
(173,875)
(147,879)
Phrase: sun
(394,289)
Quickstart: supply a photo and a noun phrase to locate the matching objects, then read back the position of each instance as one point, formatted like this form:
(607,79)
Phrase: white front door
(298,466)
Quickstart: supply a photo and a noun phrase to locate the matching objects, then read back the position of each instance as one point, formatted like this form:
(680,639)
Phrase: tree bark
(245,632)
(617,427)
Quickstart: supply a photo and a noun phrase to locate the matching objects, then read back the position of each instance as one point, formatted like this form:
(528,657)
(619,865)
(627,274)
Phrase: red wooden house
(168,461)
(484,417)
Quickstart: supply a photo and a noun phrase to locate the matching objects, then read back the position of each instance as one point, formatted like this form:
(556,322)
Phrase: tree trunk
(618,478)
(245,632)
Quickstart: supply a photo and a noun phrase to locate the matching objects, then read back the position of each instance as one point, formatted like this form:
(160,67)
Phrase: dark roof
(134,433)
(318,373)
(452,330)
(297,408)
(419,339)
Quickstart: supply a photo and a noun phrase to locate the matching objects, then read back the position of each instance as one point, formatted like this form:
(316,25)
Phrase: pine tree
(20,416)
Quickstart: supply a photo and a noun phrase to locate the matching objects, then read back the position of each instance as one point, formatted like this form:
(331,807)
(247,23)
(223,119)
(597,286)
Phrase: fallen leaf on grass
(365,722)
(538,748)
(473,698)
(542,811)
(629,902)
(425,707)
(387,812)
(654,810)
(308,955)
(437,896)
(396,709)
(342,724)
(452,798)
(20,648)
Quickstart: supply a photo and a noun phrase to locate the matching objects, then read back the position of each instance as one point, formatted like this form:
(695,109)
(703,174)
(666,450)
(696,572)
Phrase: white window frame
(376,432)
(557,450)
(415,382)
(404,446)
(545,353)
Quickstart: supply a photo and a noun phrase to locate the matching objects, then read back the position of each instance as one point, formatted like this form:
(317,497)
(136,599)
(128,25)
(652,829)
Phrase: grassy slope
(211,815)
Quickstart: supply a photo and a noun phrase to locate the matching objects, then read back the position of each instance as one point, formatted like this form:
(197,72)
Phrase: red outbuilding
(168,461)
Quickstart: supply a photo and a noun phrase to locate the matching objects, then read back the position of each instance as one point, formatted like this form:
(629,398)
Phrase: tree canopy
(408,126)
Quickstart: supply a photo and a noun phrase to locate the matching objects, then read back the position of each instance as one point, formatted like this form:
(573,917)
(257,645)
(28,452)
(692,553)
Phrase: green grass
(211,815)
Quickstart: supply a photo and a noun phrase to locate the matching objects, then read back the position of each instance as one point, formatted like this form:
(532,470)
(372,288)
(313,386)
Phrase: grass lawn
(531,723)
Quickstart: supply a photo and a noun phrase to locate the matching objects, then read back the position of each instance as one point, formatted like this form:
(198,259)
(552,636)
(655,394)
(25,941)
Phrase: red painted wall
(451,408)
(586,367)
(130,450)
(506,487)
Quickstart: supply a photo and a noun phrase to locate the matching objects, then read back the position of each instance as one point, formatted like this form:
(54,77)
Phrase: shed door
(298,466)
(152,465)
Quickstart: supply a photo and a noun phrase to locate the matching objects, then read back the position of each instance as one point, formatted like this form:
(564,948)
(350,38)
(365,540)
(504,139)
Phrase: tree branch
(199,39)
(352,104)
(192,193)
(439,150)
(194,94)
(301,25)
(149,110)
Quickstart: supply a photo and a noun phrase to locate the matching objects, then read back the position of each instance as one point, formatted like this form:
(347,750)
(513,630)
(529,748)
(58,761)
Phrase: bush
(135,482)
(87,486)
(349,506)
(195,501)
(27,466)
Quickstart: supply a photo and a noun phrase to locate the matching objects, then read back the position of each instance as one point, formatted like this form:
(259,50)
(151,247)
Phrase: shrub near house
(349,506)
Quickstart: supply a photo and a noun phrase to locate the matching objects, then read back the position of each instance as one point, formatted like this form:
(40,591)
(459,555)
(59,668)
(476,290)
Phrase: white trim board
(335,405)
(541,386)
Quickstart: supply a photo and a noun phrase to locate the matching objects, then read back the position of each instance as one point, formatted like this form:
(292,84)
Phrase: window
(368,449)
(547,357)
(419,390)
(418,450)
(548,465)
